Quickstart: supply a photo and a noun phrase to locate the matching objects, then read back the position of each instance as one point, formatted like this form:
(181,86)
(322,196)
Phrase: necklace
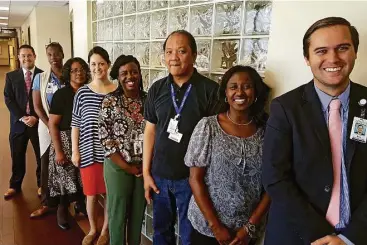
(239,124)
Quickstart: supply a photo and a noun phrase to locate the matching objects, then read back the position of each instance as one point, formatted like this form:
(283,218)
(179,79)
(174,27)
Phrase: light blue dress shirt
(345,213)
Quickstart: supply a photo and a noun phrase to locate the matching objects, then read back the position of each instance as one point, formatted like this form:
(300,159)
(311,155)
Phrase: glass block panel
(174,3)
(224,54)
(94,31)
(129,6)
(109,30)
(143,5)
(156,75)
(203,56)
(109,48)
(117,29)
(129,48)
(159,4)
(100,10)
(118,8)
(143,26)
(258,17)
(159,24)
(157,57)
(178,19)
(117,50)
(228,18)
(129,27)
(200,1)
(94,10)
(108,8)
(145,78)
(254,52)
(201,20)
(150,210)
(142,53)
(149,225)
(216,77)
(101,30)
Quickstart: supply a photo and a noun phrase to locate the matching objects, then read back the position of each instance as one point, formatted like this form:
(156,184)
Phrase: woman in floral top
(121,128)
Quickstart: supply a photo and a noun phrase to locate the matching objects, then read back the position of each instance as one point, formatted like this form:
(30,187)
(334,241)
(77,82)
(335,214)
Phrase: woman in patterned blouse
(224,156)
(121,128)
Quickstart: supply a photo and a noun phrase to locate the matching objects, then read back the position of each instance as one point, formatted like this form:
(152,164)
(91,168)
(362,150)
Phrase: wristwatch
(250,229)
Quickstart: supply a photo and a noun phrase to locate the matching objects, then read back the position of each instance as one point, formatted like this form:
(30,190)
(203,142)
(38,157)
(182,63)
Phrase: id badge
(359,128)
(49,89)
(138,147)
(172,126)
(176,137)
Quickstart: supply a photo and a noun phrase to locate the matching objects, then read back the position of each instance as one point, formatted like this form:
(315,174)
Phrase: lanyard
(177,109)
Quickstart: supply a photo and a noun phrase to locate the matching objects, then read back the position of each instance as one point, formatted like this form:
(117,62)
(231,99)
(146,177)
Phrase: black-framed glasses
(75,71)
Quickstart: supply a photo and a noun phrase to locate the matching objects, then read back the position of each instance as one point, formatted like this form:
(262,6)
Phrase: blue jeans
(173,195)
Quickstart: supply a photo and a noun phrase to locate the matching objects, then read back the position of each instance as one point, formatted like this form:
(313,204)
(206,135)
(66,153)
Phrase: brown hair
(327,22)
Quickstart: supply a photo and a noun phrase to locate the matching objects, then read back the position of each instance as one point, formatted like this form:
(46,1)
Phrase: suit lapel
(22,81)
(354,110)
(314,113)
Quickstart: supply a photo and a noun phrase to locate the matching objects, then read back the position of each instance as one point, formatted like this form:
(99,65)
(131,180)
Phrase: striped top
(87,105)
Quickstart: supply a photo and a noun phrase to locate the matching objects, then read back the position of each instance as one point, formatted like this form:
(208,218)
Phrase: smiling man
(314,173)
(23,118)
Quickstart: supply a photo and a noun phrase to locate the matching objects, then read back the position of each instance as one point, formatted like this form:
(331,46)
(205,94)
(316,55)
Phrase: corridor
(16,228)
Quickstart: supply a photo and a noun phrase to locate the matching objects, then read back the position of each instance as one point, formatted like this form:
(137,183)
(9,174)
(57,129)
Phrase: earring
(225,100)
(255,100)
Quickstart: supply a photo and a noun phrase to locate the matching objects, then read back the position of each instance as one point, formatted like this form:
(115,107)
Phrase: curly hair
(123,60)
(257,109)
(66,69)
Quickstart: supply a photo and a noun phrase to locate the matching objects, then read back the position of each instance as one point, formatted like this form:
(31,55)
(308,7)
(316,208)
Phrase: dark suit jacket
(16,98)
(298,172)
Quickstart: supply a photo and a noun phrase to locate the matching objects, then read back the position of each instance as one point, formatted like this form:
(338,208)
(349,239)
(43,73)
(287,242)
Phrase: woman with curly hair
(64,178)
(225,158)
(121,129)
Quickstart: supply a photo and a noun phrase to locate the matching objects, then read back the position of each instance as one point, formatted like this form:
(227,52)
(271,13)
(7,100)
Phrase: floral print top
(121,126)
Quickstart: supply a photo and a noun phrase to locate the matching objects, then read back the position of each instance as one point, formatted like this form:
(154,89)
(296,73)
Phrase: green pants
(125,204)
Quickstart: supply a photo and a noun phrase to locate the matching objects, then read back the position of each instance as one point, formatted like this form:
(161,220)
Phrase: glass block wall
(227,33)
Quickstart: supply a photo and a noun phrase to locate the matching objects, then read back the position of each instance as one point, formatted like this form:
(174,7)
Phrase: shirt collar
(31,70)
(191,80)
(326,99)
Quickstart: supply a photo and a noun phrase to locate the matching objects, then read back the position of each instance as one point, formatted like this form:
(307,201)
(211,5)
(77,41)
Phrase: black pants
(18,147)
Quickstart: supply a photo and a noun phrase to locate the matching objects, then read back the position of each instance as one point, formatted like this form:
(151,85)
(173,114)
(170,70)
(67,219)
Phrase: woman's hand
(60,158)
(75,158)
(241,238)
(134,170)
(222,234)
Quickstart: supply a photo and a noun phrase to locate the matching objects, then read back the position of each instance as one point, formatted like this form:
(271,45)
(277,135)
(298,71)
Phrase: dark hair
(190,37)
(257,109)
(26,46)
(100,51)
(121,61)
(327,22)
(66,69)
(56,45)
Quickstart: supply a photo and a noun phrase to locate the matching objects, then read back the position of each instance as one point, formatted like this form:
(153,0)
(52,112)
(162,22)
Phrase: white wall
(80,10)
(46,23)
(286,68)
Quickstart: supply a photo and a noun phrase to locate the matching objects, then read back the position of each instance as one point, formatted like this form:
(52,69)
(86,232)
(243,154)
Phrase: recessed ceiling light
(4,24)
(3,18)
(4,8)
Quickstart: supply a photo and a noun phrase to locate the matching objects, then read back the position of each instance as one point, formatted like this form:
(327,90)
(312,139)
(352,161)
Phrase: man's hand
(149,185)
(30,121)
(329,240)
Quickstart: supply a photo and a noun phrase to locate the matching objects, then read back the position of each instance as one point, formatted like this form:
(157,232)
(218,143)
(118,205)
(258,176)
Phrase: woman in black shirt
(64,178)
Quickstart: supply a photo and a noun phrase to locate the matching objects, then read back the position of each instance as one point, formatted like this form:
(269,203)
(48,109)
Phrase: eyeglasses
(75,71)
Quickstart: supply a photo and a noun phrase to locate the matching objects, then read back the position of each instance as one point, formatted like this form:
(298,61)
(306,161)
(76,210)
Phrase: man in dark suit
(314,173)
(23,119)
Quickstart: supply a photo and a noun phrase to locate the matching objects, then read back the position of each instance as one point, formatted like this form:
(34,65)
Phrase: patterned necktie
(28,84)
(335,134)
